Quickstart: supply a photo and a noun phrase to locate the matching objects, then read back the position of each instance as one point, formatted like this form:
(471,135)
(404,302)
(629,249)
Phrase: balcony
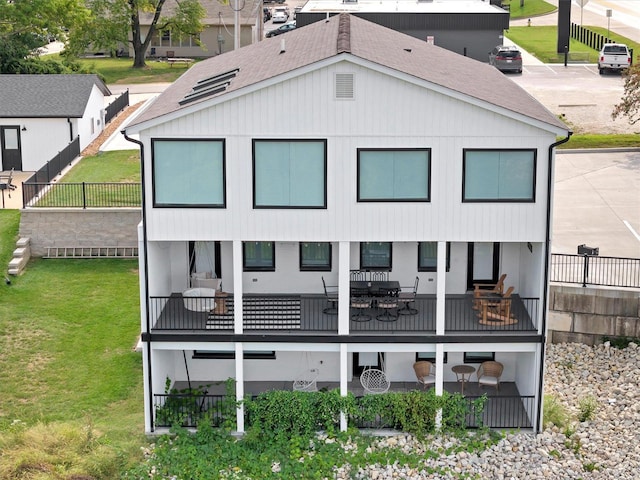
(310,315)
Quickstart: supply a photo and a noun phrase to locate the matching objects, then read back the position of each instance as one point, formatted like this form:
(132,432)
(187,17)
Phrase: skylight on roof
(209,86)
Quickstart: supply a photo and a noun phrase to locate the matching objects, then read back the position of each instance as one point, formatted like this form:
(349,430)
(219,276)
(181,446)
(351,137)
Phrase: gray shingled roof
(349,35)
(46,96)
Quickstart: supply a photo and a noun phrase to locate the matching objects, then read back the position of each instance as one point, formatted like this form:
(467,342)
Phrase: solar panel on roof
(209,86)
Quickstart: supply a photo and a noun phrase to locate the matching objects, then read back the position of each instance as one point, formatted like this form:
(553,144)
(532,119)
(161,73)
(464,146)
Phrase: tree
(630,105)
(26,25)
(117,22)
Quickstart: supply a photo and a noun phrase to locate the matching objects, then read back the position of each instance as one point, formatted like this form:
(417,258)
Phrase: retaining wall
(586,314)
(112,227)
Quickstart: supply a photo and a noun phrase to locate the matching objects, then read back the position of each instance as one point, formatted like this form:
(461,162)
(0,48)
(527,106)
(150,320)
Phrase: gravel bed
(605,447)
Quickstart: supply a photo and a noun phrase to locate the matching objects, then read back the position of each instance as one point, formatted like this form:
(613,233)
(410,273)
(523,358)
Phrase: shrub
(554,412)
(587,408)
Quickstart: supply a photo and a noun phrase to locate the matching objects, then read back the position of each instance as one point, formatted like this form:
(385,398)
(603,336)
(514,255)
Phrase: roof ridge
(344,34)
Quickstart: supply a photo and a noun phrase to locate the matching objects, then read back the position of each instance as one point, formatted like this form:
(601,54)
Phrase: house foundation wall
(587,314)
(79,228)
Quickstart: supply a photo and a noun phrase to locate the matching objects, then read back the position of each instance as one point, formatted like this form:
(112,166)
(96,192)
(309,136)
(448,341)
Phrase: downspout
(70,129)
(547,253)
(145,286)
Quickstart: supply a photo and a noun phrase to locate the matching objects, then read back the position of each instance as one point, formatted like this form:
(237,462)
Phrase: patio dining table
(375,288)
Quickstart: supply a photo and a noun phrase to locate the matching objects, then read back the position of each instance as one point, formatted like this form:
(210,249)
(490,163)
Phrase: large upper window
(289,174)
(315,256)
(188,173)
(375,256)
(394,175)
(259,256)
(499,175)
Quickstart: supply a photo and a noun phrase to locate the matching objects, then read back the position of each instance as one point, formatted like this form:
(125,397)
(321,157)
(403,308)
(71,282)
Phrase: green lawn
(542,43)
(603,141)
(122,166)
(71,380)
(531,8)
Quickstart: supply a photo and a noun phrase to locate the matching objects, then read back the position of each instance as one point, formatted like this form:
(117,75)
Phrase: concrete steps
(21,256)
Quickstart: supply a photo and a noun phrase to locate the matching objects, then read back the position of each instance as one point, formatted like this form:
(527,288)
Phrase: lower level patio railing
(187,410)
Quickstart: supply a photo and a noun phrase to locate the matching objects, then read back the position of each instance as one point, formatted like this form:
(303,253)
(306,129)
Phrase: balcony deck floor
(460,317)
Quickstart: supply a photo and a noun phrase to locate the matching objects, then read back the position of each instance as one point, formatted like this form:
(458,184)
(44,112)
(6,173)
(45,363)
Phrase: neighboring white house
(41,114)
(217,36)
(344,147)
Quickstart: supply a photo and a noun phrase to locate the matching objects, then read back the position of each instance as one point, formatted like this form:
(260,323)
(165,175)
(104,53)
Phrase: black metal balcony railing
(291,314)
(595,270)
(500,411)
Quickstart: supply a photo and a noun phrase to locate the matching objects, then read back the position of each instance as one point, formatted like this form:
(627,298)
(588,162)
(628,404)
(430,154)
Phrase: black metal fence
(50,170)
(81,195)
(116,106)
(187,409)
(590,38)
(595,270)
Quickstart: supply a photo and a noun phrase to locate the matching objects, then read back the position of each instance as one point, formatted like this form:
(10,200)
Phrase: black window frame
(499,200)
(435,269)
(315,268)
(222,205)
(431,357)
(377,268)
(379,200)
(472,357)
(270,268)
(291,140)
(223,355)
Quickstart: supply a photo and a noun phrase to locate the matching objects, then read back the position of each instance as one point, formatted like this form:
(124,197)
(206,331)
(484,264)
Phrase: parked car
(506,58)
(613,57)
(287,27)
(266,11)
(279,17)
(284,9)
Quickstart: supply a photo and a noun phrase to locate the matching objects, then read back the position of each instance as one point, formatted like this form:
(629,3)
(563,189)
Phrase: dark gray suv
(506,58)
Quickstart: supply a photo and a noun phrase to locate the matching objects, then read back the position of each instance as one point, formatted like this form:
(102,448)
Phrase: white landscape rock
(605,447)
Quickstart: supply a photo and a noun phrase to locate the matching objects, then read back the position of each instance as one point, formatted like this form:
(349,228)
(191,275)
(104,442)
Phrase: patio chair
(423,369)
(407,298)
(358,276)
(331,294)
(306,381)
(487,289)
(377,276)
(388,304)
(375,380)
(489,373)
(5,183)
(497,311)
(360,304)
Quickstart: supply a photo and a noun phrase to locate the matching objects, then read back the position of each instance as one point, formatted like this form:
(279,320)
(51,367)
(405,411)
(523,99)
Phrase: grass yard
(531,8)
(120,70)
(541,42)
(71,380)
(116,167)
(602,141)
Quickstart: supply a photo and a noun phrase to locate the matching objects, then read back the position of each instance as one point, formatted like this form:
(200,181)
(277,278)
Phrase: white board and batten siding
(385,112)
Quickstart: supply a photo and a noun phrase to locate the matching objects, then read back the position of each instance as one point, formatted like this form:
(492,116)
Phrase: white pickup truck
(614,57)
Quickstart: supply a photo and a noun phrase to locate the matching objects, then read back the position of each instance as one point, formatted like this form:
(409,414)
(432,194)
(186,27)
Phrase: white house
(345,149)
(41,114)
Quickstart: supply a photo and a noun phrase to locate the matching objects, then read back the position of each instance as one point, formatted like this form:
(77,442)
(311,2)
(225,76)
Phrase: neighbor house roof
(402,6)
(342,37)
(46,96)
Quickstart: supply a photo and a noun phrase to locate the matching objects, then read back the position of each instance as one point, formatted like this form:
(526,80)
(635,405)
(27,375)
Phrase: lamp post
(609,12)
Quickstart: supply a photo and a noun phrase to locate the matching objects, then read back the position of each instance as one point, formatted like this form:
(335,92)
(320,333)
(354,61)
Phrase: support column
(239,387)
(344,288)
(441,287)
(344,372)
(439,380)
(237,287)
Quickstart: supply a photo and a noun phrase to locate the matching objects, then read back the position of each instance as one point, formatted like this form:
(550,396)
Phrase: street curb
(597,150)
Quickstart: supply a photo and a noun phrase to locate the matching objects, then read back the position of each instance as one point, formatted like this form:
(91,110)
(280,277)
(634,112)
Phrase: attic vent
(344,86)
(209,86)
